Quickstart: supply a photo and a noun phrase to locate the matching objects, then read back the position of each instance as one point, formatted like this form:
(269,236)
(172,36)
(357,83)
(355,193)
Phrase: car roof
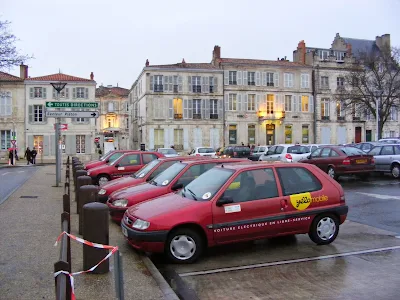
(138,151)
(387,144)
(258,165)
(177,158)
(218,160)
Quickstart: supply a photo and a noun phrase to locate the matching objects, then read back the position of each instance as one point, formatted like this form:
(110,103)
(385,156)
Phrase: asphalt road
(12,178)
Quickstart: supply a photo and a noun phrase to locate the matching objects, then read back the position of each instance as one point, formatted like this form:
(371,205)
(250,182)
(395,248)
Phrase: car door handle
(284,204)
(279,156)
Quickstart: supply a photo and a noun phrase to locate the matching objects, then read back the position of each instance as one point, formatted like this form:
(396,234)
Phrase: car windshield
(166,177)
(114,158)
(146,169)
(206,150)
(352,151)
(105,156)
(167,151)
(298,149)
(204,187)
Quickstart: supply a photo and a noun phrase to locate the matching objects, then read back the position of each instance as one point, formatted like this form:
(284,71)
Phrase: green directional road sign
(72,104)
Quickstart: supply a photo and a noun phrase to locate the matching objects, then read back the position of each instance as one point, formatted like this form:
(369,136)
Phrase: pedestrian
(248,145)
(33,156)
(11,156)
(28,155)
(242,144)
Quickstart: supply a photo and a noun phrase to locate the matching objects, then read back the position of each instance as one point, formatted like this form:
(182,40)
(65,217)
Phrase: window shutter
(167,142)
(30,142)
(86,93)
(151,84)
(171,84)
(203,84)
(226,77)
(116,106)
(215,84)
(219,106)
(206,88)
(185,109)
(165,83)
(396,114)
(207,108)
(31,93)
(299,102)
(294,103)
(8,105)
(245,81)
(190,108)
(46,145)
(311,104)
(239,102)
(44,114)
(264,78)
(151,138)
(54,93)
(258,102)
(185,138)
(44,93)
(245,100)
(170,108)
(74,93)
(189,84)
(239,78)
(88,144)
(277,103)
(66,93)
(258,79)
(30,114)
(226,102)
(179,83)
(276,79)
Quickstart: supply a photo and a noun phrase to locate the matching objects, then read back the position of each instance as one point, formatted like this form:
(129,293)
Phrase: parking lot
(362,263)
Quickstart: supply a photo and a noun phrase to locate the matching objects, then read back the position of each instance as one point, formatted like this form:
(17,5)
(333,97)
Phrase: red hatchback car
(235,203)
(342,160)
(107,158)
(125,165)
(145,174)
(172,179)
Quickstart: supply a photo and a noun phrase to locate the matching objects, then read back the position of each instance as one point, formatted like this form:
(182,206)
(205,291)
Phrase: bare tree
(376,75)
(9,54)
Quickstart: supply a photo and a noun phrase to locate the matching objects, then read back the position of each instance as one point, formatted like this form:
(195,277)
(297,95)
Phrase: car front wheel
(395,171)
(103,179)
(184,245)
(324,229)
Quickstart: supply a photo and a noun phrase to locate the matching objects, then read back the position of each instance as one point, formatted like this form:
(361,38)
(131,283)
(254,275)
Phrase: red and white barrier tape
(82,241)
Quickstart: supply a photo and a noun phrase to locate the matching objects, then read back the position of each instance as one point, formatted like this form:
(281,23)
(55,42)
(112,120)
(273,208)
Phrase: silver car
(387,159)
(286,152)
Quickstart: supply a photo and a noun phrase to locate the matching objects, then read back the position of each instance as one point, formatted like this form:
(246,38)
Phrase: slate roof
(59,77)
(9,77)
(186,66)
(283,63)
(358,45)
(117,91)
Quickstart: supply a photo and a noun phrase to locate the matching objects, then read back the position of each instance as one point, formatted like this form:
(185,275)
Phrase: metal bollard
(81,181)
(77,174)
(66,203)
(96,230)
(87,194)
(76,167)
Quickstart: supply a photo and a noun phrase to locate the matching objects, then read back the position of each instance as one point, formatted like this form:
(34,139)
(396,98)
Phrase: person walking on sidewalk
(33,154)
(11,156)
(28,155)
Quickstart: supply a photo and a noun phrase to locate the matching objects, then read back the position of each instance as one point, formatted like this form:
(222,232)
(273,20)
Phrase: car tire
(103,178)
(324,229)
(395,171)
(190,245)
(332,173)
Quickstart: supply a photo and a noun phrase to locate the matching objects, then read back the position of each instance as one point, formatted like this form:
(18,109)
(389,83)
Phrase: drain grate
(29,197)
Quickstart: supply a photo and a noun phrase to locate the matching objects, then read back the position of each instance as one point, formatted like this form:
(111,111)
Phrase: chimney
(349,50)
(216,52)
(23,71)
(183,61)
(91,76)
(383,41)
(147,63)
(301,52)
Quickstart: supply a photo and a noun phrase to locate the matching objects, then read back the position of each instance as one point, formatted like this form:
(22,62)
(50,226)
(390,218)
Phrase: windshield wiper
(153,182)
(193,194)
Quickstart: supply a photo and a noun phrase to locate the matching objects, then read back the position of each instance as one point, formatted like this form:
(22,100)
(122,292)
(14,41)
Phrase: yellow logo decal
(301,201)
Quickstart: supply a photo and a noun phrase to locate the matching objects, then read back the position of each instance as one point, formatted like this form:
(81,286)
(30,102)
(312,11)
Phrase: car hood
(162,205)
(94,163)
(143,188)
(99,169)
(123,182)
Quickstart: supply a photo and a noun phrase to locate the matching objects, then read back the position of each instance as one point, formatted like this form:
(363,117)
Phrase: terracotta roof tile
(9,77)
(117,91)
(58,77)
(283,63)
(187,66)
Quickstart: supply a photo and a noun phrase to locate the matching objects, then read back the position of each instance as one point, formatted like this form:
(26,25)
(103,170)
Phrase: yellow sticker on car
(234,186)
(301,201)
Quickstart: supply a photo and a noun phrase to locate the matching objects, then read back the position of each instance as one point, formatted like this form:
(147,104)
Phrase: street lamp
(378,94)
(58,86)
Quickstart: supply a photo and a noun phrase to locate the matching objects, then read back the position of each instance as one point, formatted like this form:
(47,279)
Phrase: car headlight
(102,192)
(140,224)
(120,202)
(88,173)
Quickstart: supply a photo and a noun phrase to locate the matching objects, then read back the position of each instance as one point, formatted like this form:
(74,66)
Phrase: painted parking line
(5,173)
(380,196)
(21,171)
(286,262)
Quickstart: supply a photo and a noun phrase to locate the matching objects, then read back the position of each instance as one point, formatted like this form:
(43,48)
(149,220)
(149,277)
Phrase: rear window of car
(205,150)
(167,151)
(298,149)
(296,180)
(242,149)
(351,151)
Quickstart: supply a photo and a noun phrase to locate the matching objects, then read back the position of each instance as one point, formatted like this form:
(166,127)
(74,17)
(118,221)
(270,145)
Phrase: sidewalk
(29,228)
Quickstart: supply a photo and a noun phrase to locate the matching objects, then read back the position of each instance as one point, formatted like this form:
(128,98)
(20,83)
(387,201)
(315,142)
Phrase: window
(288,103)
(387,150)
(82,120)
(393,114)
(270,79)
(127,106)
(305,134)
(323,54)
(196,84)
(178,108)
(324,82)
(80,93)
(213,109)
(288,80)
(288,134)
(80,144)
(130,160)
(196,109)
(194,172)
(176,85)
(110,106)
(158,138)
(38,92)
(270,104)
(296,180)
(178,139)
(251,133)
(5,139)
(325,113)
(127,123)
(375,151)
(38,113)
(251,79)
(316,153)
(232,134)
(356,111)
(340,81)
(158,83)
(5,104)
(396,150)
(339,110)
(304,104)
(325,152)
(232,102)
(393,133)
(213,84)
(339,55)
(251,102)
(64,93)
(232,78)
(305,81)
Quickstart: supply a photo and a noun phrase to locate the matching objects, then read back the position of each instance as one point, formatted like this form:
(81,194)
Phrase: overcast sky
(113,39)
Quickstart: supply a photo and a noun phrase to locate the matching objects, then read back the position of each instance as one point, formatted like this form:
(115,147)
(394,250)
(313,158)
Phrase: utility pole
(378,94)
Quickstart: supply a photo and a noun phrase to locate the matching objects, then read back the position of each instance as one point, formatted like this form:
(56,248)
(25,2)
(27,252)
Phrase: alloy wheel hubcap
(103,180)
(182,247)
(331,173)
(326,228)
(396,171)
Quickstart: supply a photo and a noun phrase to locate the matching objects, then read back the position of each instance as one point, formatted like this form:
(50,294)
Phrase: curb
(167,291)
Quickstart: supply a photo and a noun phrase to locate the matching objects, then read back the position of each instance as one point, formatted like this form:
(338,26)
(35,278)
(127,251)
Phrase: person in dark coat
(33,156)
(28,155)
(11,156)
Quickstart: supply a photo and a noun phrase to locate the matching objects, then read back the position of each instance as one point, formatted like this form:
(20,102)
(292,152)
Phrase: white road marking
(379,196)
(285,262)
(6,173)
(21,171)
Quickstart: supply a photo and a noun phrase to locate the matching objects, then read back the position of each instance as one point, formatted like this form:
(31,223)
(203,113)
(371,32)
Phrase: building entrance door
(368,135)
(270,129)
(357,138)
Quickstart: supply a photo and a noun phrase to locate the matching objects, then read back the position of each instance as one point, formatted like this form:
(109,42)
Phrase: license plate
(124,231)
(361,161)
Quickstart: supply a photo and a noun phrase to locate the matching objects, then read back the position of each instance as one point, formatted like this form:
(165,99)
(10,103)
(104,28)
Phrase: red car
(107,158)
(147,173)
(235,203)
(342,160)
(172,179)
(125,165)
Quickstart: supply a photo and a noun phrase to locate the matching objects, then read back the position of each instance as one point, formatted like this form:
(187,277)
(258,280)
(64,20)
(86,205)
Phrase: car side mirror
(224,200)
(309,156)
(117,165)
(177,186)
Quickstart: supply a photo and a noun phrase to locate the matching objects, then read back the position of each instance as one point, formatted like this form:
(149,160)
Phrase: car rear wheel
(395,171)
(103,179)
(332,173)
(184,245)
(324,229)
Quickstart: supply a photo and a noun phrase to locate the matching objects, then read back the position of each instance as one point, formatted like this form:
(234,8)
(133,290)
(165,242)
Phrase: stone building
(333,123)
(113,124)
(177,104)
